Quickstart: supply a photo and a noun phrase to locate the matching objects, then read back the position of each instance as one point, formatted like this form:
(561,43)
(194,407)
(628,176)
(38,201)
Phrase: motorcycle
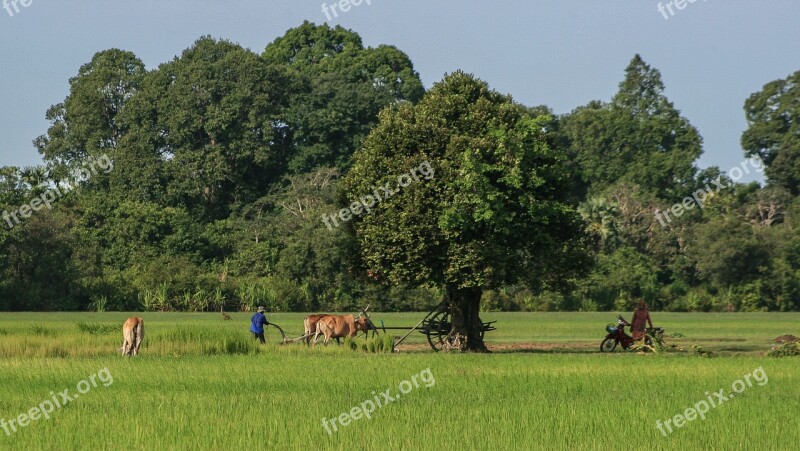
(617,336)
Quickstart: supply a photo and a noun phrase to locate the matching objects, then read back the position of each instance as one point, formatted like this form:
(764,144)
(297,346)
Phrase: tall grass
(512,401)
(201,382)
(98,328)
(380,344)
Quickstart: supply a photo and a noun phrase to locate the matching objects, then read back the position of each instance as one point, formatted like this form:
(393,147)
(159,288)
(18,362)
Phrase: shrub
(588,305)
(99,304)
(785,350)
(42,331)
(98,328)
(382,344)
(698,301)
(547,301)
(624,303)
(229,346)
(700,352)
(350,344)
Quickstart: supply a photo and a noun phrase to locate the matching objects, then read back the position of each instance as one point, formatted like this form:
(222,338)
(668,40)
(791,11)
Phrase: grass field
(201,383)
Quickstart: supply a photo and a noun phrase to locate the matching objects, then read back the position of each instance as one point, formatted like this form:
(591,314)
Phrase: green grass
(170,334)
(202,383)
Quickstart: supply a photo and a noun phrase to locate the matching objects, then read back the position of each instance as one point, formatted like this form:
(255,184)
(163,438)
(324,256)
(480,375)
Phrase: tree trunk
(465,332)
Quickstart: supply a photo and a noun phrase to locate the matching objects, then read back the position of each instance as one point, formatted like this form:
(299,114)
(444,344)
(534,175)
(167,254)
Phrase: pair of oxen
(335,326)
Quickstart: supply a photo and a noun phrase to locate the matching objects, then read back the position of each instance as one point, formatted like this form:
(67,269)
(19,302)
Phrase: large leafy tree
(639,137)
(491,213)
(87,123)
(346,85)
(212,118)
(773,133)
(728,252)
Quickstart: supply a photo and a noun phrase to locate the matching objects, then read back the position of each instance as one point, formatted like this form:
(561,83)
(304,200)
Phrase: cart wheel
(608,345)
(437,328)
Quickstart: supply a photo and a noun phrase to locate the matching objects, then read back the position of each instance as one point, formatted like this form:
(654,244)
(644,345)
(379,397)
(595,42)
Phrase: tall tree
(347,85)
(212,121)
(773,132)
(487,207)
(638,138)
(86,124)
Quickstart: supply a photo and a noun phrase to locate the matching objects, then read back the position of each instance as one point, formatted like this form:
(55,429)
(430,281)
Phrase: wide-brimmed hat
(261,309)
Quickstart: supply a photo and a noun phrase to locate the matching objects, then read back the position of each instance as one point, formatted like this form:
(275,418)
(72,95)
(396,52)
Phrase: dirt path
(518,347)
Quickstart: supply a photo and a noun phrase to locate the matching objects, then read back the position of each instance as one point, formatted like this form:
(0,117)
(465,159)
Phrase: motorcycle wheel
(608,345)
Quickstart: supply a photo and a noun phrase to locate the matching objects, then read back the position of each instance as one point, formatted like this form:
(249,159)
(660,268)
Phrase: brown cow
(336,326)
(132,334)
(310,326)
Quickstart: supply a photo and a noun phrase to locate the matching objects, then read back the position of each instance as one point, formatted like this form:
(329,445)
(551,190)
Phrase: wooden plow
(435,326)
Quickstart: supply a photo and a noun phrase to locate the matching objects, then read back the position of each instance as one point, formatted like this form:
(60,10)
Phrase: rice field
(202,383)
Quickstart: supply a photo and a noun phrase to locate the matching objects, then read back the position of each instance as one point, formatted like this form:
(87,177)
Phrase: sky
(712,54)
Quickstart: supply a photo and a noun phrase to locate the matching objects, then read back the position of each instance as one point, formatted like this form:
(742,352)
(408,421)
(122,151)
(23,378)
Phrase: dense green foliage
(346,86)
(224,164)
(774,132)
(471,193)
(785,350)
(639,138)
(476,189)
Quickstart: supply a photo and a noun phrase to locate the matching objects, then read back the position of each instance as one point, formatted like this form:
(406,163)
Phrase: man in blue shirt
(257,323)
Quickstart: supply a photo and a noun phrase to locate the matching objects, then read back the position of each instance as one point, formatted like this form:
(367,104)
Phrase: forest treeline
(202,184)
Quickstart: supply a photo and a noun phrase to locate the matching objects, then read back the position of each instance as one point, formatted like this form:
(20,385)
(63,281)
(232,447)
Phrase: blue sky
(712,54)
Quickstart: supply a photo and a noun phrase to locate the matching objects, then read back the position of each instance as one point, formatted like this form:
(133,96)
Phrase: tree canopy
(346,85)
(490,211)
(639,137)
(225,167)
(773,131)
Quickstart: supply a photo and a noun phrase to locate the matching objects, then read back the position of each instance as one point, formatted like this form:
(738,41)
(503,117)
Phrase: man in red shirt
(640,316)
